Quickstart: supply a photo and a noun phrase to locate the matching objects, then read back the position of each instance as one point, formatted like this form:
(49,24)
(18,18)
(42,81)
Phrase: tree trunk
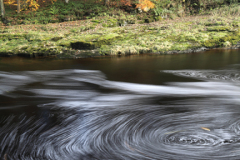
(66,1)
(18,6)
(2,9)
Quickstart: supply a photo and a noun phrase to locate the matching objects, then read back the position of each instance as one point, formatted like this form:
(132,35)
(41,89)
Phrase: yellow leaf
(207,129)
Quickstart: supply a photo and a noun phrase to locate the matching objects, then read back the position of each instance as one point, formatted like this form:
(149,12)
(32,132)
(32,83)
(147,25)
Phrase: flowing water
(172,107)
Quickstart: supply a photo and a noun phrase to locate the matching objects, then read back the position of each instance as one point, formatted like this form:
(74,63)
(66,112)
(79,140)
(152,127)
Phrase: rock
(199,49)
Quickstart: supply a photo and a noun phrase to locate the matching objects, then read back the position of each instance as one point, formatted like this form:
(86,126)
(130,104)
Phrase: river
(141,107)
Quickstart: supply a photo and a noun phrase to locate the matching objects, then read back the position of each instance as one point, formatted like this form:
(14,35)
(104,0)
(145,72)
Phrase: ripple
(94,118)
(232,74)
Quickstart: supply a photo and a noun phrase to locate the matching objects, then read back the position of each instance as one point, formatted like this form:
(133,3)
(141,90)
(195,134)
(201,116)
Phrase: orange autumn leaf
(145,5)
(126,2)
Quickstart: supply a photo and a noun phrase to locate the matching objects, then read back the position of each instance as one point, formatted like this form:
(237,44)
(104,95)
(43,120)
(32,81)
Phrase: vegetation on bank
(119,31)
(52,11)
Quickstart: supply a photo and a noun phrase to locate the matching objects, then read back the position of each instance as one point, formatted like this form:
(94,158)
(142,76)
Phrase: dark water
(172,107)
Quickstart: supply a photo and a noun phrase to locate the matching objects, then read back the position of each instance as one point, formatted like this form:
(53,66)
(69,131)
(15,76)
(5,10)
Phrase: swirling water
(76,114)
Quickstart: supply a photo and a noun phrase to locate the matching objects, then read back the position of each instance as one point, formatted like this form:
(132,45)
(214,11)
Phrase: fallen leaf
(207,129)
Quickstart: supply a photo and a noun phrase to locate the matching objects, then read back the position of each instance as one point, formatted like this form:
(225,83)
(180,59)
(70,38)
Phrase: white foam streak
(94,118)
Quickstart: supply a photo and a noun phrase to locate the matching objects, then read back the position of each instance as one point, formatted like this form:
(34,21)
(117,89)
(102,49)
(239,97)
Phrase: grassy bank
(121,34)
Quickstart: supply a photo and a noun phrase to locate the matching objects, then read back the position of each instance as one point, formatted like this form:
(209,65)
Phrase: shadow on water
(137,107)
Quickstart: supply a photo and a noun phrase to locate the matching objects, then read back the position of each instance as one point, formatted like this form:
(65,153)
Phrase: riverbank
(87,38)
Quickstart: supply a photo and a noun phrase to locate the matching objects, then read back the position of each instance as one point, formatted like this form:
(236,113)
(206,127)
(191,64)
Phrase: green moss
(214,24)
(82,45)
(110,23)
(109,36)
(232,38)
(172,16)
(210,43)
(131,21)
(9,36)
(106,39)
(131,39)
(227,44)
(65,44)
(158,18)
(141,22)
(56,38)
(96,21)
(104,25)
(152,28)
(105,49)
(89,41)
(149,20)
(122,22)
(188,23)
(181,46)
(235,24)
(219,28)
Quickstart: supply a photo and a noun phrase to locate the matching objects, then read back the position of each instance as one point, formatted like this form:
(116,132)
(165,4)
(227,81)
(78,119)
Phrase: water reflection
(78,114)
